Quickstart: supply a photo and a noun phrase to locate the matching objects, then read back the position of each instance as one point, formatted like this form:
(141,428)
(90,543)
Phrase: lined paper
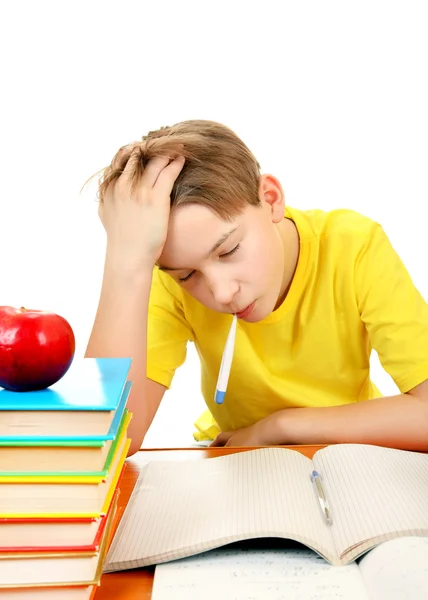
(180,509)
(247,574)
(377,493)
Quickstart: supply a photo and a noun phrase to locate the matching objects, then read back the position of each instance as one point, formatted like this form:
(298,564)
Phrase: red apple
(36,348)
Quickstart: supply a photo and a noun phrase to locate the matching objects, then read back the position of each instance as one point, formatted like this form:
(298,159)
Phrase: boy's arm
(397,421)
(134,210)
(120,330)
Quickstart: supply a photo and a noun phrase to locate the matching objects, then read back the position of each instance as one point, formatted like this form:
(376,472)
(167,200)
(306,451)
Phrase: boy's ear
(271,193)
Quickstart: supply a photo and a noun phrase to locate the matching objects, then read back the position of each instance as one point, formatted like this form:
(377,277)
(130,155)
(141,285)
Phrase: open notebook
(178,509)
(395,570)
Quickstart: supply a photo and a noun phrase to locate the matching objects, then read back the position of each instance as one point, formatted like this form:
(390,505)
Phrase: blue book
(80,405)
(72,440)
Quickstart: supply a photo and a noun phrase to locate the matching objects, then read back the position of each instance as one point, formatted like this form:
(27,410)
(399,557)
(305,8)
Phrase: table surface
(137,583)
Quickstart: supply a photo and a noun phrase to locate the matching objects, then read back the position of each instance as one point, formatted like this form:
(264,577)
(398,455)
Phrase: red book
(44,567)
(51,535)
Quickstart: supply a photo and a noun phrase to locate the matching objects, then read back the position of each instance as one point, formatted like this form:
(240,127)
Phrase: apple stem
(22,309)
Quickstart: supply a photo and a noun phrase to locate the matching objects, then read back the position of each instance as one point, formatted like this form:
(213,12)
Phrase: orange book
(29,533)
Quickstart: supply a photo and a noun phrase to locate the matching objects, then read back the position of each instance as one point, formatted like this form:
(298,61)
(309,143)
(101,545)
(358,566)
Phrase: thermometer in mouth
(226,363)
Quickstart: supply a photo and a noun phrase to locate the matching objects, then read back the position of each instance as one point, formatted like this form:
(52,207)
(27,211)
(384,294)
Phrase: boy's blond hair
(220,172)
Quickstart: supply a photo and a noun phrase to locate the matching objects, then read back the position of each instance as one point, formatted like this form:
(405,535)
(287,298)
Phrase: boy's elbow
(134,447)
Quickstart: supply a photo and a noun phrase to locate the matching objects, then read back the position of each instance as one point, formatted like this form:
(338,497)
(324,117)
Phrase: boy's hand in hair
(135,208)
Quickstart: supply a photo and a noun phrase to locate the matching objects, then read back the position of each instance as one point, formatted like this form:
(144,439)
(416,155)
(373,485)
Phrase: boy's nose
(223,291)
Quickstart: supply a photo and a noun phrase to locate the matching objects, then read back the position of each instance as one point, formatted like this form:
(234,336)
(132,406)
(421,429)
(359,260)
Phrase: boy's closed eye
(225,255)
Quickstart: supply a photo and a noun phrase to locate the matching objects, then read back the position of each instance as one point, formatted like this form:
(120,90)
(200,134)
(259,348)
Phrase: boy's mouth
(246,312)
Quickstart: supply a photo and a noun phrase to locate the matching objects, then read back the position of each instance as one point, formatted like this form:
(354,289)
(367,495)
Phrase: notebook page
(397,570)
(182,508)
(240,574)
(375,493)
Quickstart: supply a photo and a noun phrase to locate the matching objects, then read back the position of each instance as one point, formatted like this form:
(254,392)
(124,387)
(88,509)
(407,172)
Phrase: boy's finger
(221,439)
(121,155)
(168,175)
(130,167)
(154,167)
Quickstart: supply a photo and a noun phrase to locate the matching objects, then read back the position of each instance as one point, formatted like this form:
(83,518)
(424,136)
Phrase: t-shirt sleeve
(167,330)
(394,312)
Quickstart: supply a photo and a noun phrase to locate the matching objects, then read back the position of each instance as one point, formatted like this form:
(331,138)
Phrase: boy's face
(231,266)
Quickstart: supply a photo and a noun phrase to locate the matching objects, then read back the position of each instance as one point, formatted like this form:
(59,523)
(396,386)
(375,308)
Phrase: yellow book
(63,499)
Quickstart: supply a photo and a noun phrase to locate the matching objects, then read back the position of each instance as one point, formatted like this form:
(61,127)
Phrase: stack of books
(62,451)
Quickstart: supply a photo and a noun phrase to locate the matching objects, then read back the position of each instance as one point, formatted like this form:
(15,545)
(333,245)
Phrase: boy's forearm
(397,421)
(120,330)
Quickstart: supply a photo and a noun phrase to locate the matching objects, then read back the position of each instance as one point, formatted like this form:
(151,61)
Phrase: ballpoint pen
(319,488)
(226,363)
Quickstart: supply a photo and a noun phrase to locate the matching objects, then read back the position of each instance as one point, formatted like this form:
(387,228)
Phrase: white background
(331,97)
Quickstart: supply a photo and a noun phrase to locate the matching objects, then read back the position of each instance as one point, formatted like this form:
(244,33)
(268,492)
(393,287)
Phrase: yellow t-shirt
(350,293)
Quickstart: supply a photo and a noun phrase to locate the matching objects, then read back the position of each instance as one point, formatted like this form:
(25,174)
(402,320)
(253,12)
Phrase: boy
(196,234)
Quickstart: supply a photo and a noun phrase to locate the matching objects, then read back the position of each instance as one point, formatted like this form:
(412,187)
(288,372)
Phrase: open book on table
(179,509)
(395,570)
